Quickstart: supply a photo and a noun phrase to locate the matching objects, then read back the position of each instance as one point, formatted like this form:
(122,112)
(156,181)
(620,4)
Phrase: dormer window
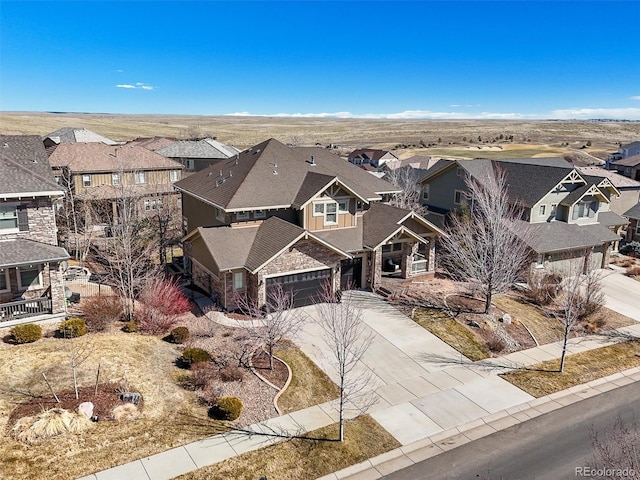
(242,216)
(258,214)
(86,180)
(343,206)
(140,178)
(585,210)
(329,210)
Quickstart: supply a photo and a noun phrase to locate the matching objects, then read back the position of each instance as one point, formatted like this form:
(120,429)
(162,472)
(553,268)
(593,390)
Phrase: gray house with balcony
(31,284)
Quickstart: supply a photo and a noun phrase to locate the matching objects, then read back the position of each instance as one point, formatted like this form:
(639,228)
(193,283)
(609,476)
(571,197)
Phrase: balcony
(22,309)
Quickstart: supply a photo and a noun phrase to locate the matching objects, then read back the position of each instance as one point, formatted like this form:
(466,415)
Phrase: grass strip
(543,379)
(303,458)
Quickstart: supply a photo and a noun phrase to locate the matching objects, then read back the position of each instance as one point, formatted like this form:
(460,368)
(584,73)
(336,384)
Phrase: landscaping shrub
(632,249)
(543,288)
(73,327)
(231,374)
(26,333)
(179,335)
(100,312)
(162,303)
(130,327)
(495,342)
(202,374)
(193,355)
(226,408)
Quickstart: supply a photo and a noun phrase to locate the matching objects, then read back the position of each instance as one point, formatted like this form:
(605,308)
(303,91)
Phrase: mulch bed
(103,403)
(278,376)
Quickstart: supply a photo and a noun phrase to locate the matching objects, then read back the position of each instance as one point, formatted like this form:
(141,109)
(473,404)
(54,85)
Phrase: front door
(351,276)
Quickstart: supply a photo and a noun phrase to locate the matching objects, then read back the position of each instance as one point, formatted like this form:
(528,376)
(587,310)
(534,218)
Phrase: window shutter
(23,219)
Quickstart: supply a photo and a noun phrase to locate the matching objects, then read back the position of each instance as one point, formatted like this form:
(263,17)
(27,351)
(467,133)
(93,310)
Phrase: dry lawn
(305,459)
(453,333)
(544,378)
(170,416)
(309,385)
(544,329)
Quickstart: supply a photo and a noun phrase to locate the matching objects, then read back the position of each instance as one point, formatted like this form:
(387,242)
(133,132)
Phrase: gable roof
(98,157)
(619,181)
(75,134)
(633,212)
(369,154)
(548,237)
(631,145)
(152,143)
(252,247)
(273,175)
(632,161)
(25,168)
(21,251)
(205,148)
(580,192)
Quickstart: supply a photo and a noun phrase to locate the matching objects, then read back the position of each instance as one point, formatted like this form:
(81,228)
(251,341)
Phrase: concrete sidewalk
(430,398)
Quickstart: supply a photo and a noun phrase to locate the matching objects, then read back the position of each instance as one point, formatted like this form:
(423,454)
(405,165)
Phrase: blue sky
(446,59)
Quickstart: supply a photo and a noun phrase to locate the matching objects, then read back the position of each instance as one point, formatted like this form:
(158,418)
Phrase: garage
(305,286)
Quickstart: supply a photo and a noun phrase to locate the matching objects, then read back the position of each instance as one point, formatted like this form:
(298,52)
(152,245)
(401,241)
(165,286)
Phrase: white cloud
(138,85)
(589,113)
(406,115)
(635,97)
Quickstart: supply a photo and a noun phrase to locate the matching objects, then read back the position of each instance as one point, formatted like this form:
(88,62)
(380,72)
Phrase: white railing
(25,309)
(418,266)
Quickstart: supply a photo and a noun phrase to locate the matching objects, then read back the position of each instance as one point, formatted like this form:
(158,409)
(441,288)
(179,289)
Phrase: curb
(440,442)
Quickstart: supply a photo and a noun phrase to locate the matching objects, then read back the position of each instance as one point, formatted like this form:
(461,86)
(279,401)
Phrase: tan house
(31,284)
(100,174)
(299,217)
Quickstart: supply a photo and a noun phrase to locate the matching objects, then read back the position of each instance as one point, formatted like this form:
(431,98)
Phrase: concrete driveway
(622,294)
(422,385)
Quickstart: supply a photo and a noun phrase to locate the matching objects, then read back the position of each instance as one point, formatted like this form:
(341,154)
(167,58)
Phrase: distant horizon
(407,60)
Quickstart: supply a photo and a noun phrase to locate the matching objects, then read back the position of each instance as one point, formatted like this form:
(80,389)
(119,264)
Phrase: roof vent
(219,182)
(275,172)
(230,174)
(313,160)
(6,145)
(209,174)
(220,172)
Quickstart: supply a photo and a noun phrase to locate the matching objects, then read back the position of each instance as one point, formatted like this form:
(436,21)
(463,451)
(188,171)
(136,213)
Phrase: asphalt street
(548,447)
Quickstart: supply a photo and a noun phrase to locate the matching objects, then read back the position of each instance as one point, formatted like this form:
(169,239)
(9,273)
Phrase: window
(459,172)
(425,192)
(238,280)
(543,209)
(115,179)
(343,206)
(56,178)
(174,175)
(331,214)
(242,216)
(259,214)
(637,227)
(30,277)
(190,165)
(153,204)
(139,177)
(86,180)
(220,215)
(318,209)
(8,217)
(585,210)
(4,280)
(458,197)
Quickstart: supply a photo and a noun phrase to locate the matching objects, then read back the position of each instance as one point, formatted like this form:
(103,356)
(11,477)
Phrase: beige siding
(152,177)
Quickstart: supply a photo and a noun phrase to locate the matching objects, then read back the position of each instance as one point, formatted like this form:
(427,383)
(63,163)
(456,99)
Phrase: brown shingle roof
(24,166)
(97,157)
(271,174)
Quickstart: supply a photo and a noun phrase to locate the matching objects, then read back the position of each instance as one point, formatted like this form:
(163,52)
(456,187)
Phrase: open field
(347,133)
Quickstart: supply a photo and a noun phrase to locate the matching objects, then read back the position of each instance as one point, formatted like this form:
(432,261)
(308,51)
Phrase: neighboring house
(567,211)
(299,217)
(633,230)
(629,189)
(624,151)
(152,143)
(31,284)
(102,174)
(628,166)
(418,162)
(370,156)
(197,155)
(75,135)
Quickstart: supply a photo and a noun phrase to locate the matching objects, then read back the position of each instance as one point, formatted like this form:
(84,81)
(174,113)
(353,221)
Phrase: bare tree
(486,244)
(408,181)
(619,451)
(276,321)
(345,334)
(580,295)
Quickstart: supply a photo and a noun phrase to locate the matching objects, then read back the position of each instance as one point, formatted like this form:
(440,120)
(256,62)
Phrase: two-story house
(566,211)
(627,166)
(371,156)
(196,155)
(101,174)
(299,217)
(31,283)
(624,151)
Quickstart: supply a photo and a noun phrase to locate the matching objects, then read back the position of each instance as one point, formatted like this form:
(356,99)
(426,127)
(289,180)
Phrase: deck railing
(25,308)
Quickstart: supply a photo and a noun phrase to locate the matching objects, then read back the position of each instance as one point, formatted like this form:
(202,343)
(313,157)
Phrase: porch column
(58,300)
(431,255)
(376,267)
(406,264)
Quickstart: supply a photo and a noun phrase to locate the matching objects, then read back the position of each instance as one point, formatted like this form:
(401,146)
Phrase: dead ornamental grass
(170,416)
(543,379)
(451,332)
(301,458)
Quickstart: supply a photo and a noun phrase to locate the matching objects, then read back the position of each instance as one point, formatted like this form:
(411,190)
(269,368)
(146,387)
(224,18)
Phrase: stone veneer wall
(42,222)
